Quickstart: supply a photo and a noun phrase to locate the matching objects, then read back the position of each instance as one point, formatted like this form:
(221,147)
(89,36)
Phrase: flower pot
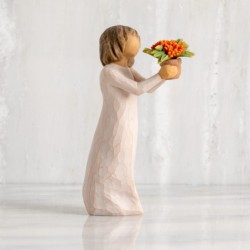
(173,62)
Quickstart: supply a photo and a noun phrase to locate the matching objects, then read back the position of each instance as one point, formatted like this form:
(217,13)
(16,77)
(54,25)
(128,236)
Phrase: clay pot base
(172,70)
(173,66)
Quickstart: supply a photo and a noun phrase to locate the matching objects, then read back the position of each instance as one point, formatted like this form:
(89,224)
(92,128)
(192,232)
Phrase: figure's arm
(118,80)
(138,77)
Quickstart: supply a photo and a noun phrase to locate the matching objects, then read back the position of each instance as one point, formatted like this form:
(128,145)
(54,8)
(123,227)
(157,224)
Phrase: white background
(194,130)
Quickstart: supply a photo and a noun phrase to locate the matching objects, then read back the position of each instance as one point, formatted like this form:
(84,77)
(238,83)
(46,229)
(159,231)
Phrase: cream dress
(109,186)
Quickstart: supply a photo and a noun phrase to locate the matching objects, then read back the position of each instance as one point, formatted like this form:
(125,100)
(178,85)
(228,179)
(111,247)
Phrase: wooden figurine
(109,186)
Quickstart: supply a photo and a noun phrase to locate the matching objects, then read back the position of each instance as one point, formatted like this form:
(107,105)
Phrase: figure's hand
(171,69)
(131,62)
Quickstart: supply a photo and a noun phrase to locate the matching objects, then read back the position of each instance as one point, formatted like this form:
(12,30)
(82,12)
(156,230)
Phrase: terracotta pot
(174,62)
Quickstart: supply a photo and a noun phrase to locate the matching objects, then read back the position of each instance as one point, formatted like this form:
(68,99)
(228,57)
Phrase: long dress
(109,185)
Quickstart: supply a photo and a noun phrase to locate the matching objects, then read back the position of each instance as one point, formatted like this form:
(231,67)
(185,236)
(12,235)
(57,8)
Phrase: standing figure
(109,185)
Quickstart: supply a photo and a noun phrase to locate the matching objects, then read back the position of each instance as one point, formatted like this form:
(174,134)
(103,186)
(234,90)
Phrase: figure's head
(117,42)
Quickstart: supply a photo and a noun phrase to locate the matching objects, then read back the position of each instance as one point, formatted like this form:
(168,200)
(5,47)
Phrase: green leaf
(164,58)
(179,40)
(185,45)
(187,54)
(154,52)
(147,50)
(159,47)
(159,54)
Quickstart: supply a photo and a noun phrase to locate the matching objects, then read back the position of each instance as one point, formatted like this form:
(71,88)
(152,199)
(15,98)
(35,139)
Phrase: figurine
(109,185)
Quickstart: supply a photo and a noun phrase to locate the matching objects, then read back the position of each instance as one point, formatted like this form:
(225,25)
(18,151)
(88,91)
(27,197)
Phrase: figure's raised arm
(138,77)
(117,79)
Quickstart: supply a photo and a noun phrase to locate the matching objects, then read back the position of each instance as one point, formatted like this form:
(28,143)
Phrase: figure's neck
(123,62)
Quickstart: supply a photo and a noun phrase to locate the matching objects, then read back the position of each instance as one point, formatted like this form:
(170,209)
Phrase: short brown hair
(112,43)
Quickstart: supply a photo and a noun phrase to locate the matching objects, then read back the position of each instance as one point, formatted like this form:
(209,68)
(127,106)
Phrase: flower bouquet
(169,49)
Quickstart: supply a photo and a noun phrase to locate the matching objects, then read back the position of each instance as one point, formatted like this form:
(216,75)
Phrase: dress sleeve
(117,79)
(138,77)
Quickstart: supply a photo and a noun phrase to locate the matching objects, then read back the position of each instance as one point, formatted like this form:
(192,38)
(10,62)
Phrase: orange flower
(171,47)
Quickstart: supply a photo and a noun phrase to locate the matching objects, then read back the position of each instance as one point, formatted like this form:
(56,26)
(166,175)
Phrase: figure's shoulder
(106,70)
(111,69)
(107,67)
